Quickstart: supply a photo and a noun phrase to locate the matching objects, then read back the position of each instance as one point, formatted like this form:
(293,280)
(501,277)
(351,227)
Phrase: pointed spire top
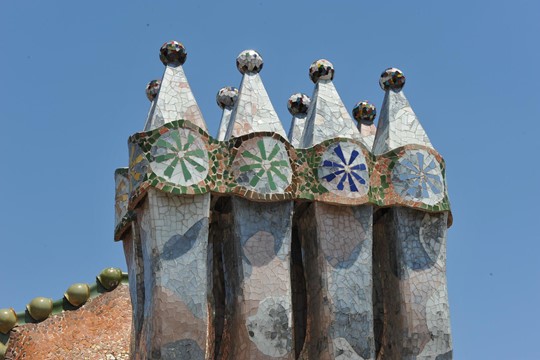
(253,111)
(398,124)
(174,100)
(152,89)
(327,116)
(298,106)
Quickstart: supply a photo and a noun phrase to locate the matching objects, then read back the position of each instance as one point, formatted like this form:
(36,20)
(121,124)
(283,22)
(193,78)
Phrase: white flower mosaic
(417,176)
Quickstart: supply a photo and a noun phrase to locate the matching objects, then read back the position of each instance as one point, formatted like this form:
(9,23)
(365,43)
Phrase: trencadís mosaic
(182,159)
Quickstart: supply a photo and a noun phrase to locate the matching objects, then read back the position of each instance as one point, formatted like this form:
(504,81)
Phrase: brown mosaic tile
(99,330)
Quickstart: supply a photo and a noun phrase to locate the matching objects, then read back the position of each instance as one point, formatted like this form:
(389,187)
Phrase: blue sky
(73,78)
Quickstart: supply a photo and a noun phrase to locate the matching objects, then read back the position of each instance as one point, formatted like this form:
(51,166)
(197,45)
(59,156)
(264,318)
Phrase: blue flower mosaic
(417,176)
(343,170)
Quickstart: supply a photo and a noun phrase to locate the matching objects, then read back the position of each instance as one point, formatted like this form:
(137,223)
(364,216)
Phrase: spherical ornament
(226,97)
(364,112)
(392,79)
(298,104)
(8,319)
(109,278)
(3,351)
(77,294)
(172,53)
(152,89)
(249,62)
(321,70)
(40,308)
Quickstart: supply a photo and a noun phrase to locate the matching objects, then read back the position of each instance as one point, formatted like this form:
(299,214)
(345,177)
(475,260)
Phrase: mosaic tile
(329,245)
(336,243)
(298,106)
(172,53)
(152,89)
(258,317)
(121,195)
(416,242)
(180,157)
(253,110)
(262,165)
(98,330)
(417,176)
(226,99)
(398,125)
(174,100)
(249,61)
(364,113)
(321,69)
(174,238)
(252,246)
(392,79)
(134,260)
(327,116)
(237,166)
(138,167)
(343,166)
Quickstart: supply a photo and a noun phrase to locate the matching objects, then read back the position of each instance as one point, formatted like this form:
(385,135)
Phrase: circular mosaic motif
(417,176)
(180,157)
(262,165)
(343,170)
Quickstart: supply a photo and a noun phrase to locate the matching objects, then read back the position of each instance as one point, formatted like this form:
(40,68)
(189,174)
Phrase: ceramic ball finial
(152,89)
(364,112)
(392,79)
(249,62)
(298,104)
(172,53)
(321,70)
(226,97)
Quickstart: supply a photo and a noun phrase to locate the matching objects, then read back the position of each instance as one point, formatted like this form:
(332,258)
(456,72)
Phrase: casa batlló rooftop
(324,242)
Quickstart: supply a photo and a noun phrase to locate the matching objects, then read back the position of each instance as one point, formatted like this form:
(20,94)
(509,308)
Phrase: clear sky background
(73,77)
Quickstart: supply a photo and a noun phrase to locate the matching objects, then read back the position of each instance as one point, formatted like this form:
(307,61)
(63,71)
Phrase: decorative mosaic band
(180,158)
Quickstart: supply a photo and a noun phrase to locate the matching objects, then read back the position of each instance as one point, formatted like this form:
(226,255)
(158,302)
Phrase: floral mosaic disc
(343,170)
(180,157)
(263,165)
(417,176)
